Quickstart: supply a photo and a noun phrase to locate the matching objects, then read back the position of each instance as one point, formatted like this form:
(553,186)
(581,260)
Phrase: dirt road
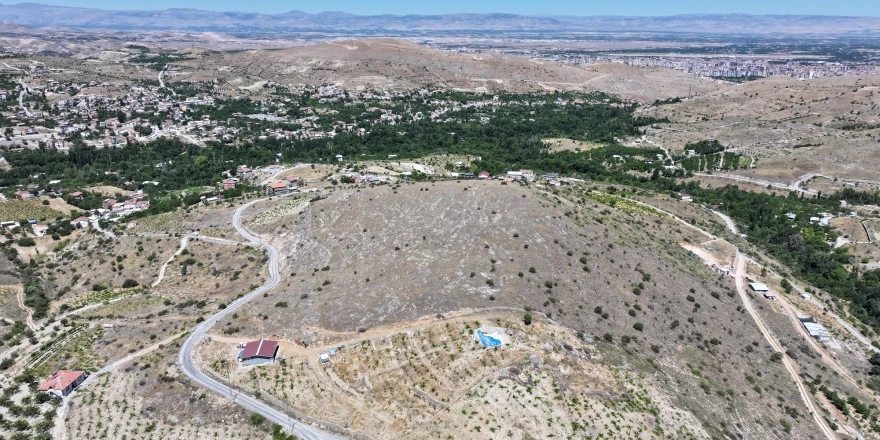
(19,296)
(183,243)
(740,274)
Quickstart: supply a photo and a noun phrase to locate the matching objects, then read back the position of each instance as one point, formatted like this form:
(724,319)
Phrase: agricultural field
(148,398)
(560,144)
(16,210)
(435,380)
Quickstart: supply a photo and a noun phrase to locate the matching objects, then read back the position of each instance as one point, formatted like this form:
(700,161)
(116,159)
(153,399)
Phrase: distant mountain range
(41,16)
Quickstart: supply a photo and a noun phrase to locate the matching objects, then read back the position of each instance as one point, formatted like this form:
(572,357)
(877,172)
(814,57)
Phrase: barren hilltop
(402,64)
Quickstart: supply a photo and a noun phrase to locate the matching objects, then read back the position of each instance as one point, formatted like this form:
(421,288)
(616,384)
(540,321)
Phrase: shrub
(527,319)
(129,283)
(26,242)
(638,326)
(281,304)
(99,288)
(608,338)
(257,419)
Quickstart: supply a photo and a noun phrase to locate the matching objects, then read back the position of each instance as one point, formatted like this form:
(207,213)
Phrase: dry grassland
(373,257)
(794,127)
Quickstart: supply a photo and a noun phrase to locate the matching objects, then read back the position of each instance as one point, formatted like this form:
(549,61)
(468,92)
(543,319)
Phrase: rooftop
(260,348)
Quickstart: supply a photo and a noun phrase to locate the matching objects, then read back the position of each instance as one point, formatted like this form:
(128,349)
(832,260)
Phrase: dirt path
(19,296)
(183,243)
(740,274)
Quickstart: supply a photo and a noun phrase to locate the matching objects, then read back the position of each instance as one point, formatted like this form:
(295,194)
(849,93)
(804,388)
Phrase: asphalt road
(248,402)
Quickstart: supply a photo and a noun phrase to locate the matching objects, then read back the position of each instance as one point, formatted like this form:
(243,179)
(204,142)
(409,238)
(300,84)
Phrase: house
(484,175)
(24,195)
(277,188)
(108,203)
(33,187)
(292,181)
(527,174)
(790,216)
(685,197)
(339,158)
(244,171)
(229,184)
(515,175)
(551,176)
(62,382)
(81,222)
(468,175)
(259,352)
(77,195)
(324,358)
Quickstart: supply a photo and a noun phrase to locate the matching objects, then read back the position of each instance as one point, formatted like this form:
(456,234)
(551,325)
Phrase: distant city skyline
(557,7)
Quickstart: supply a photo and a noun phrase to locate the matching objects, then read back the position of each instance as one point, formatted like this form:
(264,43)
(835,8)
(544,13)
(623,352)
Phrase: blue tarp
(488,341)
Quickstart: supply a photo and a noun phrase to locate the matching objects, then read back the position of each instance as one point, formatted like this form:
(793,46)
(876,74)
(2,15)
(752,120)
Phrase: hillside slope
(382,256)
(400,64)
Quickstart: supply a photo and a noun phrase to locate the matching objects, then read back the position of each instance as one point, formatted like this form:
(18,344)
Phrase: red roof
(262,348)
(277,185)
(61,380)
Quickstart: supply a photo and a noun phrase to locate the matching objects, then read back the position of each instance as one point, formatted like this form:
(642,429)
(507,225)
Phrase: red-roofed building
(483,175)
(63,382)
(277,188)
(259,352)
(77,195)
(229,184)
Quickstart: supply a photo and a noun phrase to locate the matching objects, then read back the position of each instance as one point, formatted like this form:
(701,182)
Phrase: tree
(527,319)
(786,285)
(129,283)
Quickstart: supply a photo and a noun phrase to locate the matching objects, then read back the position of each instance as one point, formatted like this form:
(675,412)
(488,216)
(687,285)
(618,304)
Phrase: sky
(524,7)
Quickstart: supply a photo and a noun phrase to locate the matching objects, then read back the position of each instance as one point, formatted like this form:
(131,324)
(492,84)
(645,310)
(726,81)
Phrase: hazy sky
(530,7)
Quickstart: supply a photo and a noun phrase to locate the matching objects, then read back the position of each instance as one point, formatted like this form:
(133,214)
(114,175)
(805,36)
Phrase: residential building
(62,382)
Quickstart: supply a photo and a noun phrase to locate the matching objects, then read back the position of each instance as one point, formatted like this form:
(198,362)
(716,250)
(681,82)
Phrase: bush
(99,287)
(639,326)
(281,304)
(257,419)
(129,283)
(527,319)
(26,242)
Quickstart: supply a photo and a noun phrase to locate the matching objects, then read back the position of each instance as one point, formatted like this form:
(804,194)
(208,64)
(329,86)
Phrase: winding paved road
(250,403)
